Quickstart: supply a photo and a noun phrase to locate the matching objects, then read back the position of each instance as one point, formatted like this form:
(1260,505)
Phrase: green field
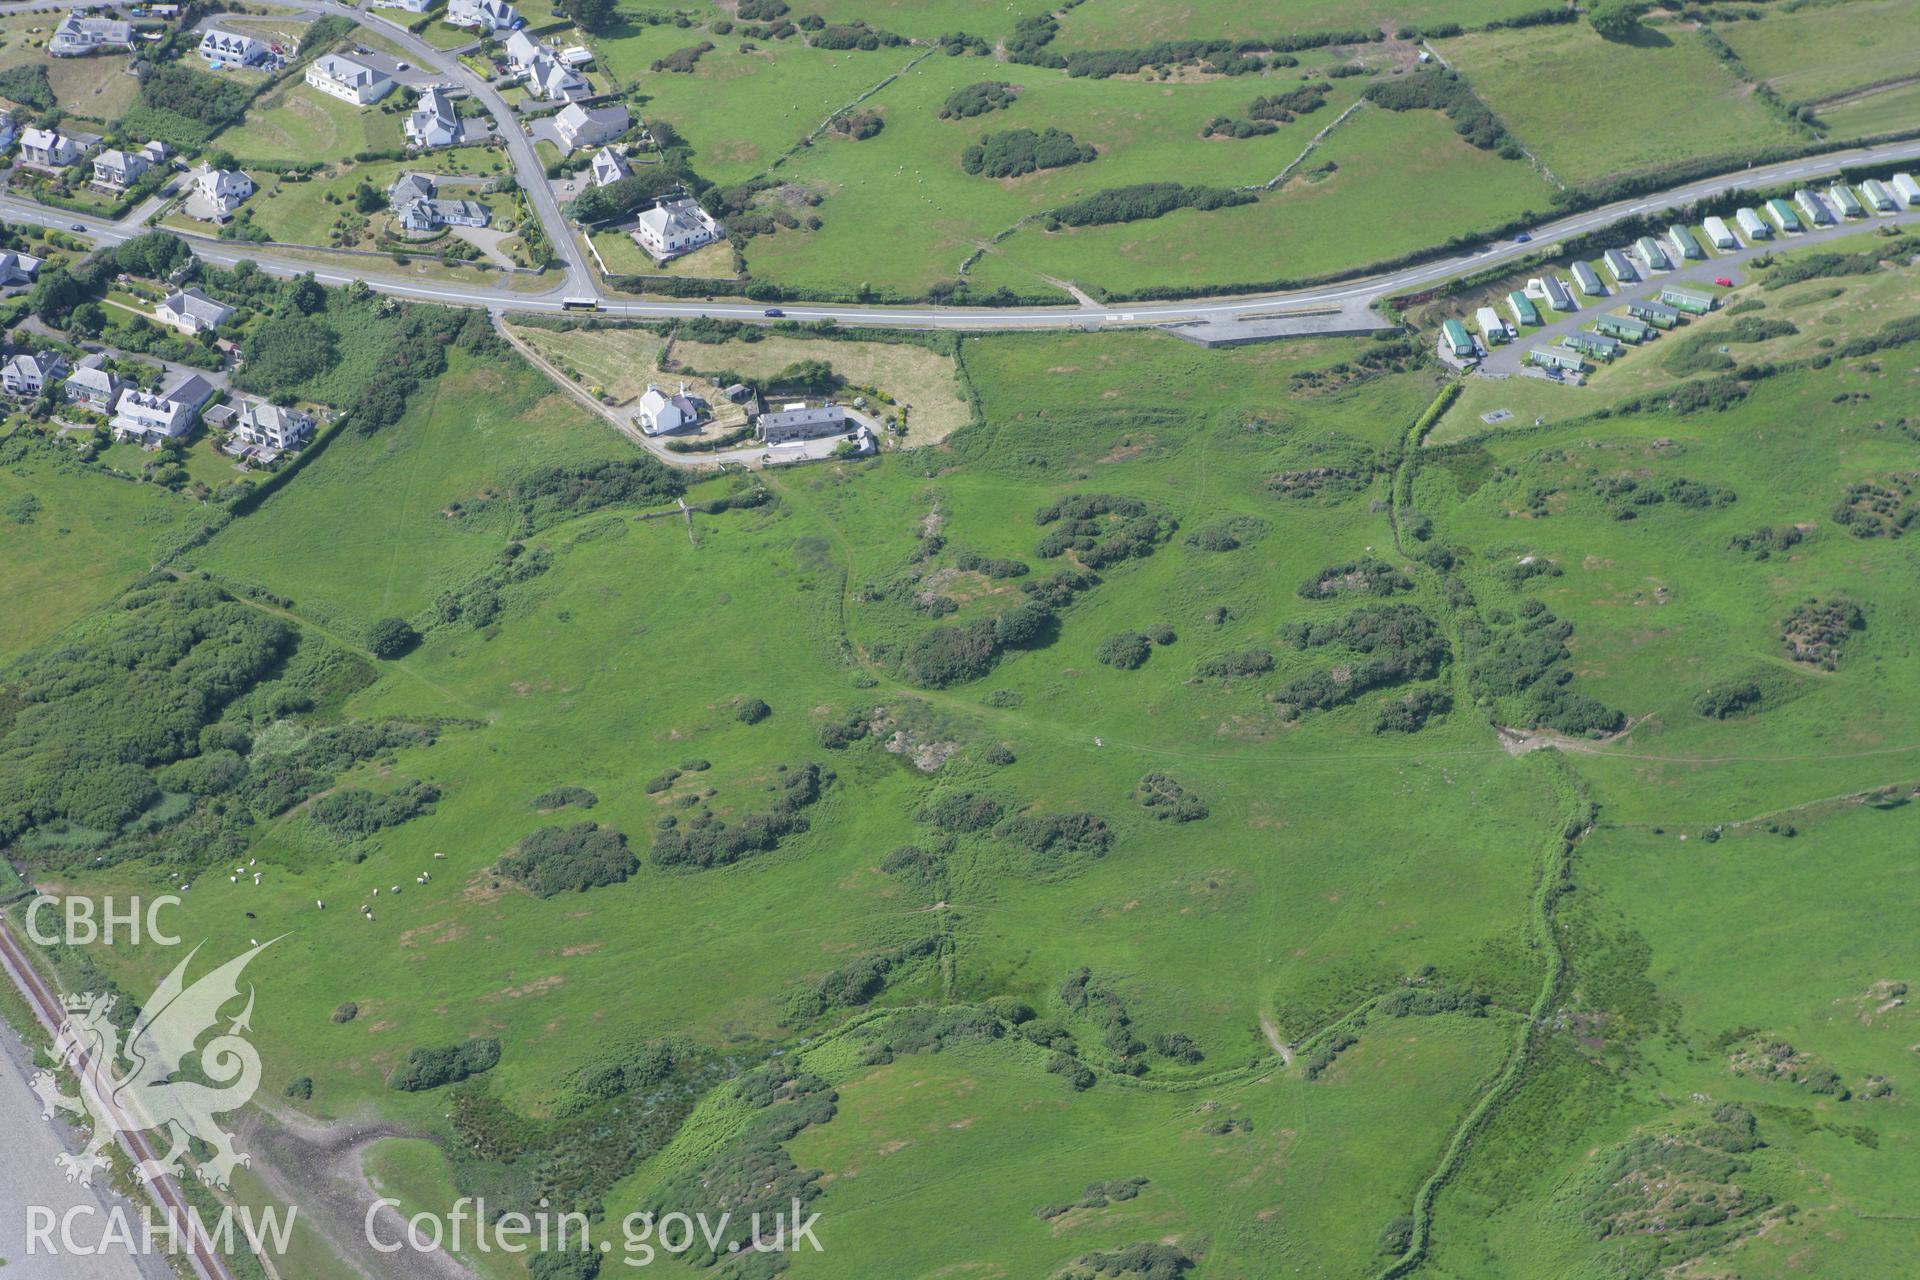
(1590,108)
(1128,24)
(1870,114)
(1817,51)
(94,88)
(298,122)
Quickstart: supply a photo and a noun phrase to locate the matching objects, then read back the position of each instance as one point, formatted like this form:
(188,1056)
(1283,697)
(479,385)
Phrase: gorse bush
(431,1068)
(571,859)
(1021,151)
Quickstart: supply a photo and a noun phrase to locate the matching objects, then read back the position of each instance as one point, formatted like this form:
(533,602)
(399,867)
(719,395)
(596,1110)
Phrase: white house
(27,374)
(268,426)
(1720,233)
(659,413)
(484,15)
(522,50)
(555,83)
(92,385)
(192,311)
(217,193)
(117,170)
(1751,223)
(416,206)
(433,122)
(674,227)
(19,268)
(609,166)
(80,34)
(579,126)
(148,417)
(1907,189)
(347,79)
(231,46)
(47,149)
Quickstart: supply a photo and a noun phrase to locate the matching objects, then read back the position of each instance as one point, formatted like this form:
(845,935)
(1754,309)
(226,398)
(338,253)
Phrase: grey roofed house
(554,81)
(433,122)
(27,374)
(18,268)
(119,169)
(93,384)
(170,412)
(1586,278)
(271,427)
(609,166)
(1620,265)
(416,208)
(193,311)
(79,34)
(579,126)
(785,425)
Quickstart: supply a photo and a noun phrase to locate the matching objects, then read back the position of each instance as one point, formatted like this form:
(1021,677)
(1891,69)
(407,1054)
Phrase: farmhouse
(676,226)
(1878,196)
(484,15)
(148,417)
(217,193)
(1783,215)
(1692,304)
(579,126)
(1587,278)
(46,149)
(1557,358)
(1592,344)
(1907,189)
(1811,205)
(92,385)
(1753,225)
(268,426)
(658,413)
(79,34)
(1652,254)
(231,46)
(1619,266)
(416,206)
(347,79)
(1522,308)
(1654,314)
(609,166)
(1720,234)
(796,422)
(1458,342)
(433,122)
(27,374)
(1492,327)
(18,268)
(1624,327)
(1850,206)
(192,311)
(1684,243)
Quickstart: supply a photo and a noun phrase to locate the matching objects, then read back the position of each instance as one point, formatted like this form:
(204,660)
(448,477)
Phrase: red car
(1723,282)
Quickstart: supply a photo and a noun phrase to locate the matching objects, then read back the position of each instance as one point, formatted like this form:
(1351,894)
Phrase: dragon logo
(169,1082)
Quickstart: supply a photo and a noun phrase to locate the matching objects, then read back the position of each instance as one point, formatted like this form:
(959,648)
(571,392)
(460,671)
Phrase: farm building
(1810,204)
(797,422)
(1654,314)
(1906,188)
(1684,242)
(1624,327)
(1458,341)
(1592,344)
(1692,304)
(1492,327)
(1720,233)
(1753,225)
(1557,358)
(1878,196)
(1652,254)
(1620,266)
(1783,215)
(1849,204)
(1522,307)
(1587,278)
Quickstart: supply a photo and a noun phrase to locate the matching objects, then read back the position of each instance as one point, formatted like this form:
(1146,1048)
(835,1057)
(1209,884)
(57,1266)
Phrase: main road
(576,280)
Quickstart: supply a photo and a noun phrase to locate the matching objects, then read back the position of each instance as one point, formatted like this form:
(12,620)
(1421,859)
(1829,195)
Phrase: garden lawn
(298,123)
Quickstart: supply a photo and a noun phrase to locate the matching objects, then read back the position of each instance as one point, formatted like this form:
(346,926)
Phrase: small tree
(592,15)
(1616,19)
(391,637)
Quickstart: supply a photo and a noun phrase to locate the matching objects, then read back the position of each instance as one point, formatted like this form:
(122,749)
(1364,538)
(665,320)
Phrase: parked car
(1723,282)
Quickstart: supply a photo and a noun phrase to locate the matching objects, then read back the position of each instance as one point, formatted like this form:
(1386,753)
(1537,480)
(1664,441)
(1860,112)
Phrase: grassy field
(75,537)
(94,88)
(1401,181)
(1817,51)
(1867,115)
(1590,108)
(298,122)
(923,381)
